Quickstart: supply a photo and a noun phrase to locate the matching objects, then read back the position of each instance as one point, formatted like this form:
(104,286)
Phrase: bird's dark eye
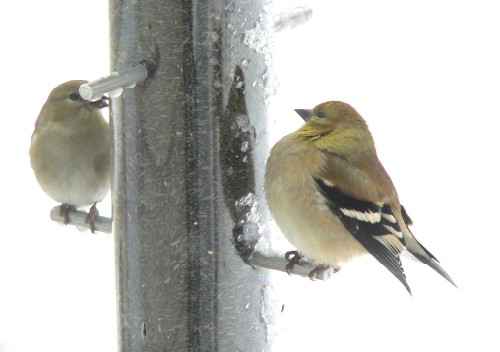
(74,96)
(320,114)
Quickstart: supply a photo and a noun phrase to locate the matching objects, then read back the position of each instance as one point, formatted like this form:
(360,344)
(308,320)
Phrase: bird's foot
(91,217)
(323,270)
(64,212)
(293,258)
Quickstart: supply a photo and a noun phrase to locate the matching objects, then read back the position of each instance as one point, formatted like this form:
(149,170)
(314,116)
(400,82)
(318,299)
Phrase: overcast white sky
(425,75)
(56,283)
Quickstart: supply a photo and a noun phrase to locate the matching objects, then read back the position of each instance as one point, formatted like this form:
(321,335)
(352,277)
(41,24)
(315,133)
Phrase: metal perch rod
(116,81)
(275,262)
(77,218)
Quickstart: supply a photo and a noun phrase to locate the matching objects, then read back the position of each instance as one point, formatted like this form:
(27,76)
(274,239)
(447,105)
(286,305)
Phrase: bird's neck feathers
(348,142)
(80,120)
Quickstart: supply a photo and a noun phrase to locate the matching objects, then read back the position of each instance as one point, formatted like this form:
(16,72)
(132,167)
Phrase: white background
(56,283)
(425,75)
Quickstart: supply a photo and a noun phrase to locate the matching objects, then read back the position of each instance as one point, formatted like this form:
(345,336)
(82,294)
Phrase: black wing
(373,225)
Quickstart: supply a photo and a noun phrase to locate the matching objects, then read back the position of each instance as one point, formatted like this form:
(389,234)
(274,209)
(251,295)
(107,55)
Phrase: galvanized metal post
(182,285)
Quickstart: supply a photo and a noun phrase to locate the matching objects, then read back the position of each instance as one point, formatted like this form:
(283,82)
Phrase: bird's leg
(91,217)
(293,258)
(64,212)
(319,269)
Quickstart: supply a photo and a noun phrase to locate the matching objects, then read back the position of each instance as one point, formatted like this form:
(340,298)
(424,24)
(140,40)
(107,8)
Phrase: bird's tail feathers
(426,257)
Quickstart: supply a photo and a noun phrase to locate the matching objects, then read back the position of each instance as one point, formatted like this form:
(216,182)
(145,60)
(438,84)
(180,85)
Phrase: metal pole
(182,285)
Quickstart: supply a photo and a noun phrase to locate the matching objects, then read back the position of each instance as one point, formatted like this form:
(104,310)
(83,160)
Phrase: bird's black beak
(304,113)
(101,103)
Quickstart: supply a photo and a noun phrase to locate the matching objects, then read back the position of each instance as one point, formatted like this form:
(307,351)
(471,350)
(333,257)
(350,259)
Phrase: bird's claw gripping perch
(91,217)
(64,212)
(293,258)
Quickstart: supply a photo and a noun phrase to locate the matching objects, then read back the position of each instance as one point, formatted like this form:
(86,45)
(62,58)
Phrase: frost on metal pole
(189,155)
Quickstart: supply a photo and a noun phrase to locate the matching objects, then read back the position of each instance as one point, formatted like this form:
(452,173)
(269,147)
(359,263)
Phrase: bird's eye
(74,96)
(320,114)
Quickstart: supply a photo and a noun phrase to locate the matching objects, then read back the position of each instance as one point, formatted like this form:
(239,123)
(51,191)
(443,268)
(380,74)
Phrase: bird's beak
(304,113)
(101,103)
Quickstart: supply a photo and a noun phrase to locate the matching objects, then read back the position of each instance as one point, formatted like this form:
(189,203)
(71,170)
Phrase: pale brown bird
(70,150)
(332,198)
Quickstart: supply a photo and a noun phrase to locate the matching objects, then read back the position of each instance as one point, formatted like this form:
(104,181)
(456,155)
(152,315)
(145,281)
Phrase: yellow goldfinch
(333,199)
(70,150)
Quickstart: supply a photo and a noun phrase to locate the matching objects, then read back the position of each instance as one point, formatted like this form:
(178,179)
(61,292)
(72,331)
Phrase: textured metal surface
(79,219)
(179,172)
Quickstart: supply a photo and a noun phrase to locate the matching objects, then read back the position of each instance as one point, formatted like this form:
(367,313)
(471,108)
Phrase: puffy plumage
(71,148)
(333,199)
